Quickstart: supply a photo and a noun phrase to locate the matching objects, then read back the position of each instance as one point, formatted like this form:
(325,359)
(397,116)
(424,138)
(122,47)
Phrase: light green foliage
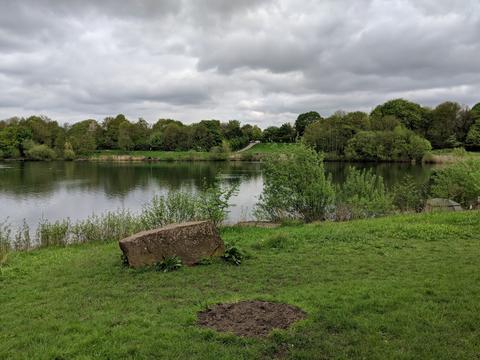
(459,182)
(408,195)
(295,186)
(362,195)
(169,263)
(68,153)
(40,152)
(410,114)
(397,145)
(473,137)
(213,202)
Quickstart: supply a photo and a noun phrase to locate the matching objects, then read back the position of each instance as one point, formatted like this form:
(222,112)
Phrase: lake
(57,190)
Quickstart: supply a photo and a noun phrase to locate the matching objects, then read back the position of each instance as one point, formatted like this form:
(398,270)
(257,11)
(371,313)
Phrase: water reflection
(57,190)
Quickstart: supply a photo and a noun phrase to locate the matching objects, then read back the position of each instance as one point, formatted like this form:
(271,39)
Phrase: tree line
(396,130)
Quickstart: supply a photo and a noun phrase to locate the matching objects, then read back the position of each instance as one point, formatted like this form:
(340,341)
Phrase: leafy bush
(408,195)
(68,153)
(213,202)
(362,195)
(459,182)
(397,145)
(233,255)
(40,152)
(169,263)
(295,187)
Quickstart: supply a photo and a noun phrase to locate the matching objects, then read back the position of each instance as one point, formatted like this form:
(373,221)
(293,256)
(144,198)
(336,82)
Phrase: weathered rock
(438,204)
(191,242)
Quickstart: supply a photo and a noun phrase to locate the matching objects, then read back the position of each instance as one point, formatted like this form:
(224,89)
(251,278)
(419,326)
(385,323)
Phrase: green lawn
(405,287)
(269,148)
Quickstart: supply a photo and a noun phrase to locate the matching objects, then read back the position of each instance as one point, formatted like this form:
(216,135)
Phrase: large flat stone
(439,204)
(191,242)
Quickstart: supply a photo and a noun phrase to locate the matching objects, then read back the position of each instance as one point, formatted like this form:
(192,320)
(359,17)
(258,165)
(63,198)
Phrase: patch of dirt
(250,318)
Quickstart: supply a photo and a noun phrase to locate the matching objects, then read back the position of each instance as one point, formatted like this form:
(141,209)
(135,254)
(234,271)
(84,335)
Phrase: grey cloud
(260,61)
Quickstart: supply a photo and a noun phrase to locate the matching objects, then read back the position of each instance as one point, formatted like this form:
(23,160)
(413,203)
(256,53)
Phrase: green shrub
(362,195)
(408,195)
(40,152)
(213,202)
(295,187)
(68,153)
(169,263)
(459,182)
(233,255)
(399,144)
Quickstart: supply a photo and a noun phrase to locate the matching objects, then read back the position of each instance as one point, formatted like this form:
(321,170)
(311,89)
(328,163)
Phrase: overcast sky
(260,61)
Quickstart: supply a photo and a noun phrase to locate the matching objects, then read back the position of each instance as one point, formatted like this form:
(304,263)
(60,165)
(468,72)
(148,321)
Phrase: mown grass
(404,287)
(269,148)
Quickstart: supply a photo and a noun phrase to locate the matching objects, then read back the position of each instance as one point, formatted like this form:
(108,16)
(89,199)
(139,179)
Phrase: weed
(169,263)
(233,255)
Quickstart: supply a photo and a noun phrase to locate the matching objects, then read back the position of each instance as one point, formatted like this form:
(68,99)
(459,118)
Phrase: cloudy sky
(260,61)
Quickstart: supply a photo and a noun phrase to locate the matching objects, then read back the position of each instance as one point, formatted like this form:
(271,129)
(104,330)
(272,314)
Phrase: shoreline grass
(397,287)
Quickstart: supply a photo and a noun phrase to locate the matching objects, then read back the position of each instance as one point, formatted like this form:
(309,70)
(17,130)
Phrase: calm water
(56,190)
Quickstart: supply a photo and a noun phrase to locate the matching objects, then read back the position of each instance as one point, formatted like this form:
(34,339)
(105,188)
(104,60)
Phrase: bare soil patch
(250,318)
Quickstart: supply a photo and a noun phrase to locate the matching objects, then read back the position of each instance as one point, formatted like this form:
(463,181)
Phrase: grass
(119,155)
(449,156)
(404,287)
(269,148)
(256,153)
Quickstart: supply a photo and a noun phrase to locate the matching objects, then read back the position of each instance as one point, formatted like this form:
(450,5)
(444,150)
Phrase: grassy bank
(449,156)
(256,153)
(399,287)
(118,155)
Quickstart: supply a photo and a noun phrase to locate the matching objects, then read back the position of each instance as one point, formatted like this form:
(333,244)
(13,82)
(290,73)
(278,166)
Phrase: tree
(305,119)
(140,134)
(295,186)
(111,128)
(445,120)
(124,141)
(332,134)
(410,114)
(232,130)
(82,137)
(398,145)
(473,137)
